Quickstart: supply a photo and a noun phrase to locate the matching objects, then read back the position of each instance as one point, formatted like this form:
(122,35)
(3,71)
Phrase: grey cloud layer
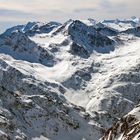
(61,10)
(9,12)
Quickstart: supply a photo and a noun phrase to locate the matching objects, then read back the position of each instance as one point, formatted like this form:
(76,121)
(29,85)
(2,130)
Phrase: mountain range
(78,80)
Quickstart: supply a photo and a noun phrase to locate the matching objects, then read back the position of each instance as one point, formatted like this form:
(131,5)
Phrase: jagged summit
(32,28)
(41,27)
(88,37)
(21,47)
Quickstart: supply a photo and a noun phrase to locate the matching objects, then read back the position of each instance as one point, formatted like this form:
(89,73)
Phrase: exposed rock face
(79,50)
(19,46)
(134,31)
(128,128)
(32,28)
(88,37)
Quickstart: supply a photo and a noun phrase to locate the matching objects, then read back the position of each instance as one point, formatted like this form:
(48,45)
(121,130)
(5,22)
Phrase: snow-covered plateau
(79,80)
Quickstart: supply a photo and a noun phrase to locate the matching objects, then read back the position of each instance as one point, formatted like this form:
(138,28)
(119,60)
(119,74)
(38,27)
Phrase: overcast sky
(14,12)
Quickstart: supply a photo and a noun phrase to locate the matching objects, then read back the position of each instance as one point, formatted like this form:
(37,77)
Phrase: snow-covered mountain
(122,25)
(69,81)
(32,28)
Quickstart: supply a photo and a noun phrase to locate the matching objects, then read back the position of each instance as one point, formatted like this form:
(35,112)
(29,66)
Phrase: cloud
(65,5)
(60,10)
(111,8)
(10,12)
(85,10)
(41,6)
(34,5)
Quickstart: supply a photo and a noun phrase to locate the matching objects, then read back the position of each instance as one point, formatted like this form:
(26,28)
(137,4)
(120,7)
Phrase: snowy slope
(71,82)
(122,25)
(19,46)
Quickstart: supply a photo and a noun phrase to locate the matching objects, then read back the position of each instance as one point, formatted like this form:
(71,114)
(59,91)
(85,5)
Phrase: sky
(13,12)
